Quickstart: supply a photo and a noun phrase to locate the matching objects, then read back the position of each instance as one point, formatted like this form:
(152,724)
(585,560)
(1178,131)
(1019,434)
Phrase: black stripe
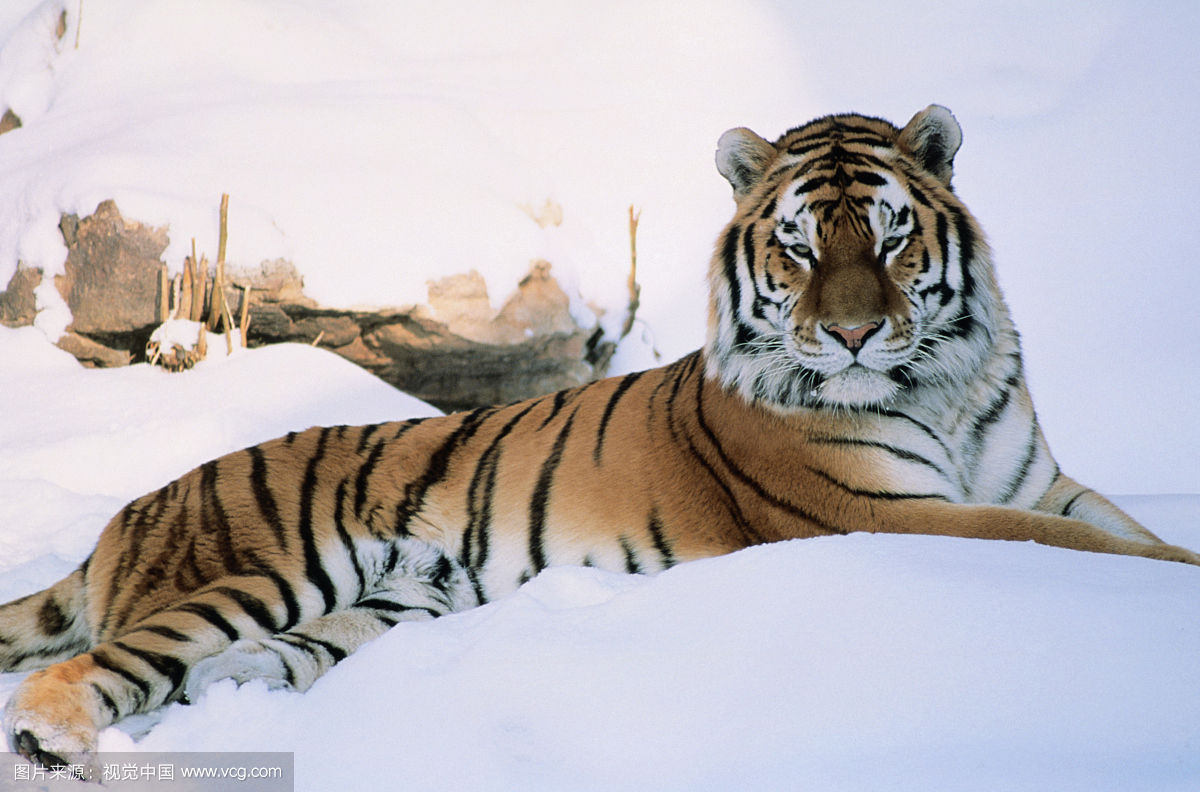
(966,251)
(900,453)
(125,519)
(658,536)
(689,368)
(173,669)
(166,632)
(252,605)
(364,477)
(375,603)
(262,494)
(801,147)
(924,428)
(917,193)
(814,183)
(188,576)
(362,481)
(749,251)
(213,520)
(52,620)
(758,489)
(313,568)
(442,570)
(480,497)
(480,595)
(540,499)
(560,399)
(365,437)
(729,260)
(622,388)
(943,240)
(106,700)
(1066,510)
(289,673)
(882,495)
(743,335)
(768,208)
(288,595)
(389,563)
(680,371)
(870,179)
(435,471)
(631,560)
(307,642)
(113,667)
(989,417)
(137,521)
(339,524)
(1022,471)
(210,615)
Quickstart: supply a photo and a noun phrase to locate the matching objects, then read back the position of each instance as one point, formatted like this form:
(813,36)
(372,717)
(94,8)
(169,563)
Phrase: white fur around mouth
(856,386)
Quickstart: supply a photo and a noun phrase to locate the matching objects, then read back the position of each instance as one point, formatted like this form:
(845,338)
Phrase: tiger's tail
(46,627)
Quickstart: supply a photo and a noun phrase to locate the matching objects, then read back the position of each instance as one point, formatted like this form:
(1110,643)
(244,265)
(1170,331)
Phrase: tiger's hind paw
(244,660)
(51,725)
(27,744)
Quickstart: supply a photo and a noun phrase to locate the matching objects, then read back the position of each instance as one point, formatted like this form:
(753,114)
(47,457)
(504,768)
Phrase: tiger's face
(849,275)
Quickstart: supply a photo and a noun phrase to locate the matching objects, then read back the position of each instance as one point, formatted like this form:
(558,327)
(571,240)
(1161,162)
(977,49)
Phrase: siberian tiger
(860,373)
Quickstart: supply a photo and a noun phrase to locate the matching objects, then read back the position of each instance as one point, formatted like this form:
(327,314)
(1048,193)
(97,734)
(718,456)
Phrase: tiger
(860,372)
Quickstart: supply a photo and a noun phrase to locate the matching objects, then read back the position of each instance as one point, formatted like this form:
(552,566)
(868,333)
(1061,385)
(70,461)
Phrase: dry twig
(635,290)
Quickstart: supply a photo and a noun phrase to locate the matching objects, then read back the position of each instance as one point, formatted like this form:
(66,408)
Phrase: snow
(378,146)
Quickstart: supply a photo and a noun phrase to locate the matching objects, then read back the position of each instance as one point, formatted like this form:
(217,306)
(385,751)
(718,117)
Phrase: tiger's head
(851,275)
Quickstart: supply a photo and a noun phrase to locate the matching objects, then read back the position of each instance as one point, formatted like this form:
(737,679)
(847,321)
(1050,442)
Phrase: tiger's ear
(742,157)
(932,137)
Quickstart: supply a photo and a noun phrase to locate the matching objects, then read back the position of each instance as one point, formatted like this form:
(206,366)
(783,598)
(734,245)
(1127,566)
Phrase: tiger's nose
(853,337)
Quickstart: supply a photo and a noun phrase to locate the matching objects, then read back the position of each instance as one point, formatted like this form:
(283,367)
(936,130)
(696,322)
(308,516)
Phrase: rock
(540,306)
(91,353)
(461,303)
(330,331)
(274,281)
(112,269)
(18,306)
(358,352)
(269,323)
(456,374)
(9,121)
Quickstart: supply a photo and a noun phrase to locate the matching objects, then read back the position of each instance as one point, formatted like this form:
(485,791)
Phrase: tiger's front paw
(1169,552)
(50,722)
(243,661)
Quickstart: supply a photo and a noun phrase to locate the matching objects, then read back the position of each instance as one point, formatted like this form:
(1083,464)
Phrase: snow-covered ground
(379,144)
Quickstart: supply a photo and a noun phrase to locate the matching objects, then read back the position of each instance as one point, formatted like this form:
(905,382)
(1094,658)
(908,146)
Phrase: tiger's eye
(801,254)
